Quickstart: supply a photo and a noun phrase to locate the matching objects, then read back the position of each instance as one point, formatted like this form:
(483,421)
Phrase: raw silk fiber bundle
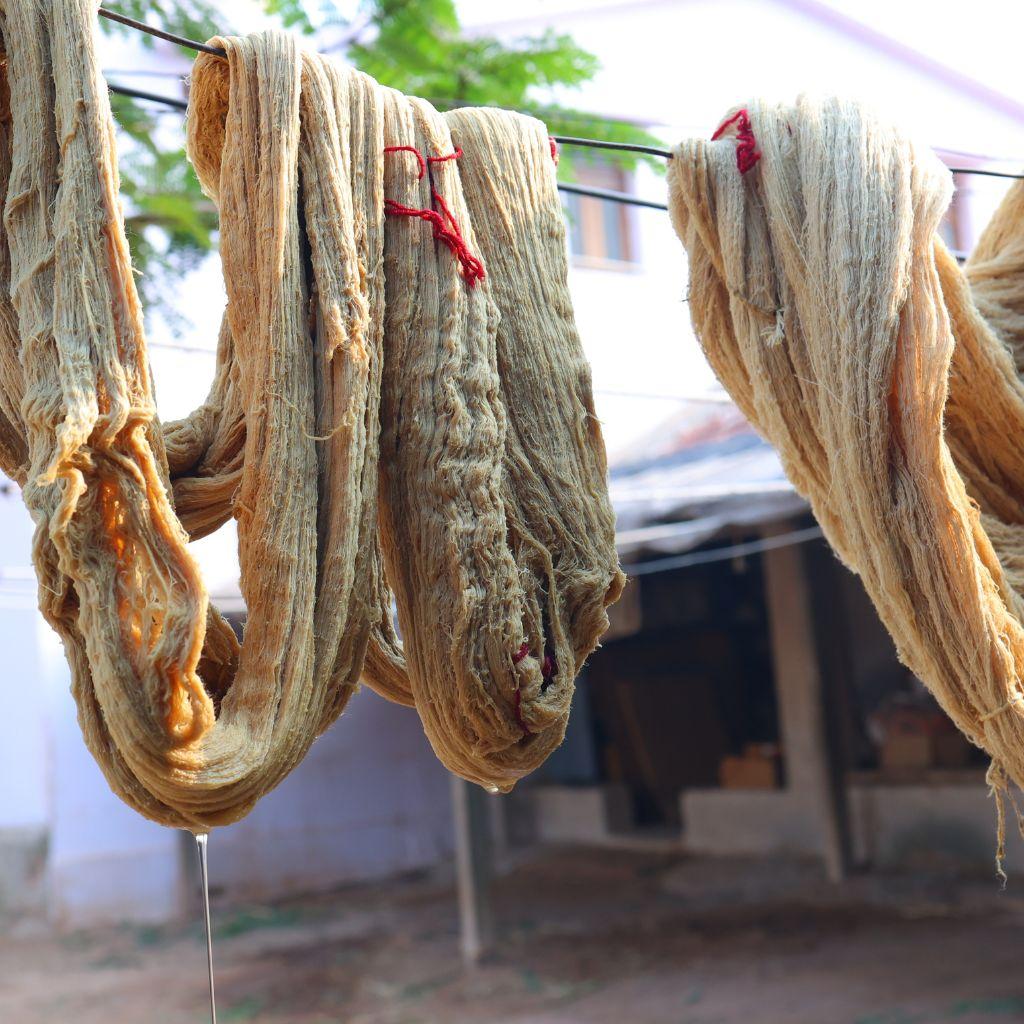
(358,321)
(886,377)
(515,523)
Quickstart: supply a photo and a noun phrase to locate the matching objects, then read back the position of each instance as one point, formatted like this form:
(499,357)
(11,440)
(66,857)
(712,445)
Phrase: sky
(980,38)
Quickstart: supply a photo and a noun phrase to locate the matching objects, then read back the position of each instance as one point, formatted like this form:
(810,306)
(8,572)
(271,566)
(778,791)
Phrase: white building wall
(369,800)
(23,786)
(24,763)
(681,64)
(106,863)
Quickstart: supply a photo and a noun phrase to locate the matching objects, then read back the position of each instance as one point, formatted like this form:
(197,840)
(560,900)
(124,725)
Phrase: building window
(600,231)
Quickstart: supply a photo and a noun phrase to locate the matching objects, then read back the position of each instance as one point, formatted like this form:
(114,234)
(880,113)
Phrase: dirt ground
(586,935)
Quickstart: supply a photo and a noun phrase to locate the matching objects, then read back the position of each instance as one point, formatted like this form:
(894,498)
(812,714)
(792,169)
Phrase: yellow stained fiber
(885,375)
(348,337)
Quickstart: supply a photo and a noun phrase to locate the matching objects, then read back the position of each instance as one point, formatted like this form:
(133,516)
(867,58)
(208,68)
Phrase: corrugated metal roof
(704,469)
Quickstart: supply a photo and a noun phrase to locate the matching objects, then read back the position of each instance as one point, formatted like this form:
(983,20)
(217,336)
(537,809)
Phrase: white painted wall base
(899,825)
(369,800)
(580,814)
(143,885)
(22,870)
(892,825)
(747,821)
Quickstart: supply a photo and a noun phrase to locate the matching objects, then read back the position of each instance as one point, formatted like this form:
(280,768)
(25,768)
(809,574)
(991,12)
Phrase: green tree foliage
(416,46)
(170,223)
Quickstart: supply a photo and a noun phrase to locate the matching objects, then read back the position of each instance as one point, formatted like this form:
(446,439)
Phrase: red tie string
(446,228)
(472,268)
(415,152)
(547,670)
(447,156)
(747,153)
(523,651)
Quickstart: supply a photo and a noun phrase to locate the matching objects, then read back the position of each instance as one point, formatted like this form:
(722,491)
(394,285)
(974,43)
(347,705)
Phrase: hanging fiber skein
(885,376)
(352,330)
(552,465)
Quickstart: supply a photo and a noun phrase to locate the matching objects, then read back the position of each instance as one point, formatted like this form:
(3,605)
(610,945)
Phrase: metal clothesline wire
(538,110)
(580,190)
(721,554)
(20,596)
(141,94)
(610,194)
(541,111)
(159,33)
(572,115)
(568,140)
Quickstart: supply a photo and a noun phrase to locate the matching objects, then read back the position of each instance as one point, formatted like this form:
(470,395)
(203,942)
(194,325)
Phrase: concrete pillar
(813,772)
(474,867)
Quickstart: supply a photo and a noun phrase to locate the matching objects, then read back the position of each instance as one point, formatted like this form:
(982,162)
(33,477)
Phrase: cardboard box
(748,773)
(906,750)
(942,750)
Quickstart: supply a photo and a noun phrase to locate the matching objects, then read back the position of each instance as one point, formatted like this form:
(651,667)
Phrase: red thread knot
(747,153)
(547,669)
(447,234)
(517,709)
(446,228)
(447,156)
(415,152)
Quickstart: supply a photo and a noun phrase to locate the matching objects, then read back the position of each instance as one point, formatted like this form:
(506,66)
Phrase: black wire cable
(141,94)
(191,44)
(986,174)
(567,140)
(622,147)
(626,147)
(615,197)
(582,190)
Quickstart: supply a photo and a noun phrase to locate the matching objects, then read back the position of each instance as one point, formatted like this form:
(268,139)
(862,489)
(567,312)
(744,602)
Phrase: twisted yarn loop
(347,335)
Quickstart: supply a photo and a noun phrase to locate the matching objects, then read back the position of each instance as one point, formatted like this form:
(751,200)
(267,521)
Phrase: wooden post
(814,774)
(473,860)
